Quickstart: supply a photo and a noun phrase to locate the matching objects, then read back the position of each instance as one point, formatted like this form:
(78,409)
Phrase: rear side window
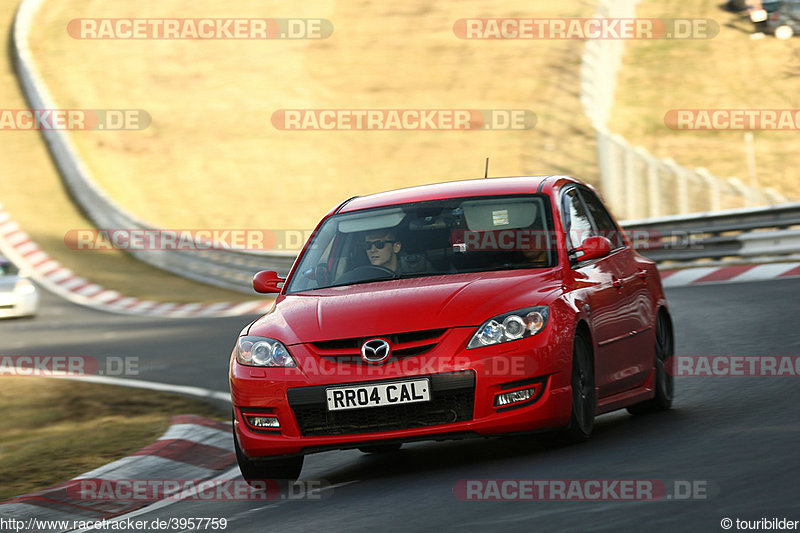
(602,219)
(576,219)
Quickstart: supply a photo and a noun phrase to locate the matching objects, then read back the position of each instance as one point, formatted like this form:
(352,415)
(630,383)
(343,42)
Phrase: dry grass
(54,430)
(212,158)
(729,71)
(32,192)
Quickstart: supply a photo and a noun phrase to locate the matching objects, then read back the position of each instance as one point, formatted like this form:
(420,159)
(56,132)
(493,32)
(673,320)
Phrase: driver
(382,248)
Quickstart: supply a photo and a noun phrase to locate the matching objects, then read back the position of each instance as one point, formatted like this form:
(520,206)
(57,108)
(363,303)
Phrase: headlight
(24,286)
(263,351)
(758,15)
(510,326)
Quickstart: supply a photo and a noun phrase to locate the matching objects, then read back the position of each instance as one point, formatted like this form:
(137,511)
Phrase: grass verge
(54,430)
(212,159)
(32,192)
(730,71)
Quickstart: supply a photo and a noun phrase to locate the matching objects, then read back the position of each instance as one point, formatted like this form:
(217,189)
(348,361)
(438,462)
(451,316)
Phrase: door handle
(642,273)
(616,282)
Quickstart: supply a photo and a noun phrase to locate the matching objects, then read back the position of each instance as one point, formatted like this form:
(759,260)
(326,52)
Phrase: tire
(277,469)
(584,400)
(665,382)
(784,32)
(381,448)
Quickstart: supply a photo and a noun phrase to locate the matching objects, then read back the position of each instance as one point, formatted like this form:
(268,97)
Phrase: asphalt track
(736,436)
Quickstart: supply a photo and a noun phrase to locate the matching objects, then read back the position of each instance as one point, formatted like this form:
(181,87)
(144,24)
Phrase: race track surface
(737,436)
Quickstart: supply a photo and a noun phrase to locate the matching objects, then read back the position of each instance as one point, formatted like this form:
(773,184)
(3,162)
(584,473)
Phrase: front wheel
(581,421)
(664,381)
(253,471)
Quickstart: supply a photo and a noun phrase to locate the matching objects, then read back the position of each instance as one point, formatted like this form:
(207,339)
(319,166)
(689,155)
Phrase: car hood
(395,306)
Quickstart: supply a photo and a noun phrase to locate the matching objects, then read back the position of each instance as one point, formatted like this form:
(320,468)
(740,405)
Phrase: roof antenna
(486,170)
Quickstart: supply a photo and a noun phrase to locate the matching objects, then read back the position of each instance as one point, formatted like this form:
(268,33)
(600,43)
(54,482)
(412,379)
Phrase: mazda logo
(375,351)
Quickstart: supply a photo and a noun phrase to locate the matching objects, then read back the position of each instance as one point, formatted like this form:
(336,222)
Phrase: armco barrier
(734,234)
(222,268)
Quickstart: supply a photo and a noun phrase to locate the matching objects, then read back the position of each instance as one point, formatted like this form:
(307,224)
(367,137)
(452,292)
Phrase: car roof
(456,189)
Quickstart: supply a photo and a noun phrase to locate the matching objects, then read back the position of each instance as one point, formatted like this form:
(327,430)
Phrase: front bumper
(464,387)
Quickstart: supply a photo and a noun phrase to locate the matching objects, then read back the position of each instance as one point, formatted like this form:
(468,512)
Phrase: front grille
(405,344)
(452,400)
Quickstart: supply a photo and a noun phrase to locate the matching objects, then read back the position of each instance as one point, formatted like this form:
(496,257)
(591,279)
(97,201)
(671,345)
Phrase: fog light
(514,397)
(265,422)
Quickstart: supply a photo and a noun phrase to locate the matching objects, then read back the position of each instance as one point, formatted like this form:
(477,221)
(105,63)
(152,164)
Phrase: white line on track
(198,392)
(228,475)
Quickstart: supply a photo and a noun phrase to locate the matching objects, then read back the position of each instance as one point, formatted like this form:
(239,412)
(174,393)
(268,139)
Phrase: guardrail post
(615,171)
(714,193)
(739,187)
(630,180)
(607,176)
(681,184)
(653,182)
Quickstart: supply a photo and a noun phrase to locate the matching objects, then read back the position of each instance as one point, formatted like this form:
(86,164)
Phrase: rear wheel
(664,381)
(381,448)
(285,468)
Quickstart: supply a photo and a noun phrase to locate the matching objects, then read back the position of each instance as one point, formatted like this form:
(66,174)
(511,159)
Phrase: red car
(461,309)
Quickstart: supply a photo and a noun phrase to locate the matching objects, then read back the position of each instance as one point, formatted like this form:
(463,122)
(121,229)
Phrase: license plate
(395,393)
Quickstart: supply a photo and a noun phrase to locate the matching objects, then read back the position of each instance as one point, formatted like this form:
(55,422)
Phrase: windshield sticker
(500,218)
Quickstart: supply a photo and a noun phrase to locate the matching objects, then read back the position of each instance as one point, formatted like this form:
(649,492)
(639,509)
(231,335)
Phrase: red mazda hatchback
(461,309)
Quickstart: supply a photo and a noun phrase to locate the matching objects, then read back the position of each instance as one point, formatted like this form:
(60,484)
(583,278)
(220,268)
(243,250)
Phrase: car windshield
(429,238)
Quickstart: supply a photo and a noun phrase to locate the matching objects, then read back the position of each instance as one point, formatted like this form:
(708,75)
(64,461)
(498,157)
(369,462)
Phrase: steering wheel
(365,273)
(365,269)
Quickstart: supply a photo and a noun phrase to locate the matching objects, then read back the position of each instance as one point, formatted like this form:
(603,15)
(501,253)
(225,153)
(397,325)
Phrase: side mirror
(593,247)
(266,282)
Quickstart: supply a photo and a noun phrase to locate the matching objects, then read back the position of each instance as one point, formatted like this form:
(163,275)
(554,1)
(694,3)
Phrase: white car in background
(18,295)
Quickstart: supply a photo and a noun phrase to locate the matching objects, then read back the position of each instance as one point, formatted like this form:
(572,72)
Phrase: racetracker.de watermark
(773,366)
(74,119)
(733,119)
(592,490)
(68,365)
(525,239)
(584,28)
(199,28)
(353,365)
(149,490)
(137,239)
(461,240)
(403,119)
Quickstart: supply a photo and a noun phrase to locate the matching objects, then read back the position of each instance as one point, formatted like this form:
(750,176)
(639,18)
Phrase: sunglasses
(378,244)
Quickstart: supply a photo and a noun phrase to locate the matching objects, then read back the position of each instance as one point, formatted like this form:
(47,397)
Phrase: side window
(576,220)
(602,219)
